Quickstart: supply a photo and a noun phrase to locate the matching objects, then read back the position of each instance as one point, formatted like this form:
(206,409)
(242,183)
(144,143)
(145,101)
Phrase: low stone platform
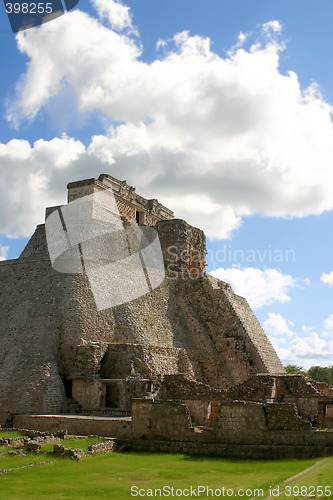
(76,424)
(227,450)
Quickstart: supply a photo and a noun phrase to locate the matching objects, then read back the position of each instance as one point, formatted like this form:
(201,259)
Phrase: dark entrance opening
(112,395)
(137,216)
(68,387)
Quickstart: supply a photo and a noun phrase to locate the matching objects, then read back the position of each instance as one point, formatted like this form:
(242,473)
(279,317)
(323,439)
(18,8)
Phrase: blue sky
(222,110)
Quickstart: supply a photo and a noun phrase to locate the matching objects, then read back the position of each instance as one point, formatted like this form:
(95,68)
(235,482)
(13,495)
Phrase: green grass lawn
(72,442)
(111,476)
(10,434)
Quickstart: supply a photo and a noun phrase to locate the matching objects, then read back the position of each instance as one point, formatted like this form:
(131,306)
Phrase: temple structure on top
(129,203)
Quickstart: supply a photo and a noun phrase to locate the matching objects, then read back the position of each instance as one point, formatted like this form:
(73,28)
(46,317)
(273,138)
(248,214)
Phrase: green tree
(321,374)
(295,369)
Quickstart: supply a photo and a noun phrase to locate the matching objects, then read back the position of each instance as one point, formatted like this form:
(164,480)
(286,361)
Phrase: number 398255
(29,8)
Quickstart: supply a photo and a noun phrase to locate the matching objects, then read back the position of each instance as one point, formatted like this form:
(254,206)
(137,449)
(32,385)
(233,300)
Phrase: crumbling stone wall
(160,420)
(242,429)
(299,390)
(141,361)
(182,386)
(259,388)
(237,422)
(279,388)
(183,246)
(284,416)
(202,401)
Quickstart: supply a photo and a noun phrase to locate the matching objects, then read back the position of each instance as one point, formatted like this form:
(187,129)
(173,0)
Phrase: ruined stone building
(185,362)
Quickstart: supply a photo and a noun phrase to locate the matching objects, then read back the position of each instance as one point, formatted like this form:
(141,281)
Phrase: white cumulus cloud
(259,287)
(214,137)
(117,13)
(327,278)
(304,348)
(306,351)
(328,325)
(33,178)
(274,26)
(277,326)
(3,252)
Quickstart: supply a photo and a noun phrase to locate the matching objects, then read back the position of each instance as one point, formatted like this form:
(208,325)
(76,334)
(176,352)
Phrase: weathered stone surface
(102,447)
(30,445)
(61,451)
(188,360)
(77,424)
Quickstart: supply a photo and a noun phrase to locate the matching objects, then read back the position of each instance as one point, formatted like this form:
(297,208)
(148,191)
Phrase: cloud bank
(259,287)
(214,138)
(306,349)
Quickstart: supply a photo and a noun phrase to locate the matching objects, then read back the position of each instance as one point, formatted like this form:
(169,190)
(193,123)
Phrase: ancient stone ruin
(184,366)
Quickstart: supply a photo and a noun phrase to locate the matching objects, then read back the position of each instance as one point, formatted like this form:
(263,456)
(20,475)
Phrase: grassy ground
(10,434)
(72,442)
(111,476)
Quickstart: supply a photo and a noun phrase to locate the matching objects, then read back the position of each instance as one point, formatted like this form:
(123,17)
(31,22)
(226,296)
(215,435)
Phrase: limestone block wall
(183,247)
(84,331)
(29,340)
(200,411)
(151,320)
(167,420)
(326,413)
(238,416)
(261,424)
(50,331)
(236,423)
(149,431)
(80,425)
(82,188)
(90,394)
(284,416)
(281,449)
(202,401)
